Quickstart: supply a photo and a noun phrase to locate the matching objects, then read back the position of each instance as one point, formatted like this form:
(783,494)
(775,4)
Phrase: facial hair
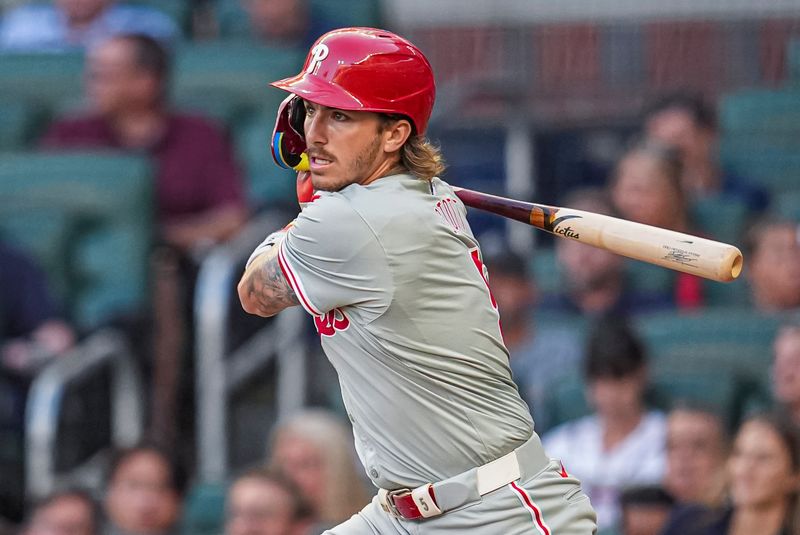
(356,172)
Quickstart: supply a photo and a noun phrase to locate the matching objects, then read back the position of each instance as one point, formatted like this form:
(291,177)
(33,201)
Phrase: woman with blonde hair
(314,449)
(646,188)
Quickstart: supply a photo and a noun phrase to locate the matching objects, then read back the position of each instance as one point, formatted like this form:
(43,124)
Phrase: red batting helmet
(363,69)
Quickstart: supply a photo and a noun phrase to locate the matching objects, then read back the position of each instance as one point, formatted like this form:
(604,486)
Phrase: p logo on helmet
(318,53)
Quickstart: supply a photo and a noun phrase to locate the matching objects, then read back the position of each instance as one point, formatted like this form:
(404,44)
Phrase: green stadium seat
(760,136)
(546,270)
(564,401)
(204,510)
(718,389)
(720,218)
(644,278)
(232,70)
(740,329)
(768,112)
(777,169)
(750,365)
(742,144)
(44,231)
(224,108)
(233,23)
(788,204)
(793,59)
(268,184)
(43,79)
(18,123)
(87,217)
(704,357)
(726,294)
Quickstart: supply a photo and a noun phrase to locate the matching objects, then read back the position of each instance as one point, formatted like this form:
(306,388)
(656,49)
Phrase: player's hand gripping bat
(682,252)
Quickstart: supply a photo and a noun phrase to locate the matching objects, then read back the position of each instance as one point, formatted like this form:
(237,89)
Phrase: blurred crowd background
(136,398)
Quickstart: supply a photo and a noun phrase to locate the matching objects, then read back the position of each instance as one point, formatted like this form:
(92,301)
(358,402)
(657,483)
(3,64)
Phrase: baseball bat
(674,250)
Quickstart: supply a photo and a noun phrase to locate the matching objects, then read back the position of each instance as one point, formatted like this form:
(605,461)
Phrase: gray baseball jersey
(394,279)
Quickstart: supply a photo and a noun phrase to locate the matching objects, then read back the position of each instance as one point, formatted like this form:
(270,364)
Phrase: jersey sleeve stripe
(294,281)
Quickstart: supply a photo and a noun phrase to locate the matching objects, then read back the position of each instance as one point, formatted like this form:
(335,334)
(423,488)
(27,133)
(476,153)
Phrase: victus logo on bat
(553,222)
(546,218)
(567,232)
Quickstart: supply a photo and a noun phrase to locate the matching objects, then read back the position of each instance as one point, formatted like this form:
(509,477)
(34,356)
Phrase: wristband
(268,243)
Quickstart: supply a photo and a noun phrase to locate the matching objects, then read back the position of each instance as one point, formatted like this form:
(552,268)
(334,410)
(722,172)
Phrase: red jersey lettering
(329,323)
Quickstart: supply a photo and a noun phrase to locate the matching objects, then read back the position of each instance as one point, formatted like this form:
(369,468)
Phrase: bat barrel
(732,265)
(674,250)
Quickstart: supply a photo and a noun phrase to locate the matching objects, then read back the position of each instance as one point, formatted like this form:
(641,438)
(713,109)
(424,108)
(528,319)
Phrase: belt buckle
(388,502)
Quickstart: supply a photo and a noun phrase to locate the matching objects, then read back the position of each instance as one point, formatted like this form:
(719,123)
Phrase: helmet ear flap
(297,115)
(288,144)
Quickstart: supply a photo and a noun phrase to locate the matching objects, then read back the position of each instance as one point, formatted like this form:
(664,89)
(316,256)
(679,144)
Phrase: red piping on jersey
(293,281)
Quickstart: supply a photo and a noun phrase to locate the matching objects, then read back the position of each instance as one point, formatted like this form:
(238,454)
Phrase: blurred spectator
(31,329)
(314,449)
(763,474)
(144,492)
(534,348)
(593,278)
(76,24)
(198,187)
(685,121)
(645,510)
(646,188)
(31,333)
(67,512)
(622,443)
(786,370)
(261,502)
(773,268)
(284,22)
(697,447)
(198,190)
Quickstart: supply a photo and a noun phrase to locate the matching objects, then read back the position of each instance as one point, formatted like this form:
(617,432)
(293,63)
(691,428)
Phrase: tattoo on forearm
(266,285)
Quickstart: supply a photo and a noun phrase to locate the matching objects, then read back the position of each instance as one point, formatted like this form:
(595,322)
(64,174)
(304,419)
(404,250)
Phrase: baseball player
(384,260)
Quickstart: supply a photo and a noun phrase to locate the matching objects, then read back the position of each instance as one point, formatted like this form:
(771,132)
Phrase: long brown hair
(789,435)
(418,155)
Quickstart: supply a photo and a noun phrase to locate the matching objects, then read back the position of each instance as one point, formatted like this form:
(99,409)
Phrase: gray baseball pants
(546,502)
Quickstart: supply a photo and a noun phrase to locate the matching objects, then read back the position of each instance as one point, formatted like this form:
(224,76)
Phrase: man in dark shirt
(198,190)
(199,193)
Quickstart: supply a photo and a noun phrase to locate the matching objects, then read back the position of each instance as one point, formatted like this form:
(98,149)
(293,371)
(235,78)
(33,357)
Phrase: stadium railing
(221,370)
(105,350)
